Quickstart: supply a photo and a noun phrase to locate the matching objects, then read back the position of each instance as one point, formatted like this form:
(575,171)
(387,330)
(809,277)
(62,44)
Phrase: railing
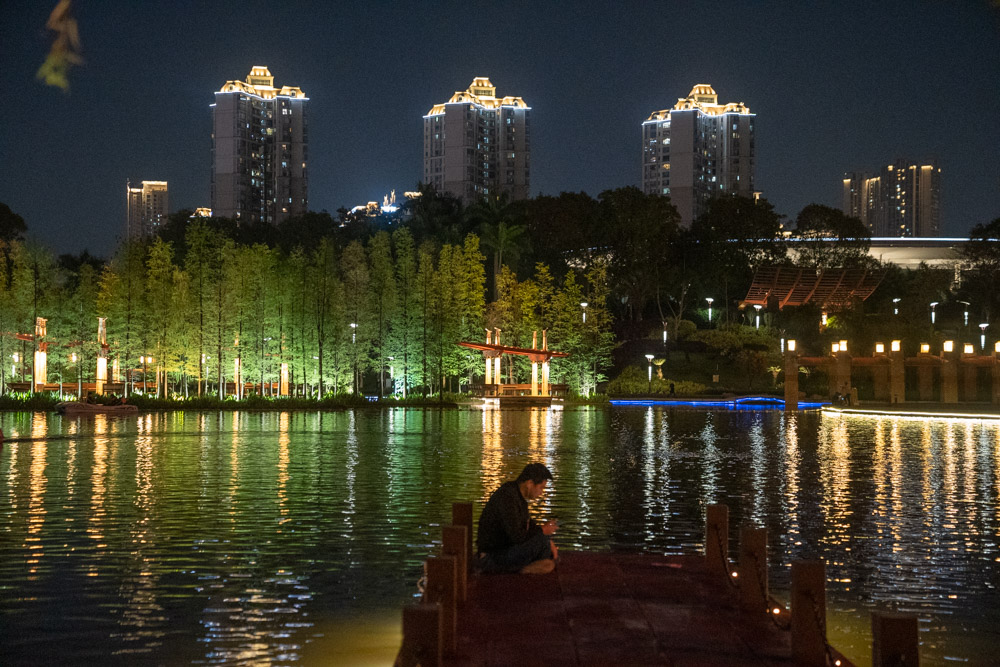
(894,636)
(430,627)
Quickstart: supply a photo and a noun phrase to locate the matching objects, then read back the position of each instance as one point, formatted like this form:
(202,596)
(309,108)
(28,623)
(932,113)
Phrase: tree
(640,228)
(403,336)
(827,238)
(383,297)
(734,237)
(499,222)
(12,227)
(982,259)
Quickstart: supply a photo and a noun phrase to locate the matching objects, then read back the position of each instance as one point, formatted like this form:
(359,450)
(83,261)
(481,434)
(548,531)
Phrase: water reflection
(224,537)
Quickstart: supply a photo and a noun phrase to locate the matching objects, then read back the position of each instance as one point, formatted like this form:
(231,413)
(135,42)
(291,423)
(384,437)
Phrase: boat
(80,408)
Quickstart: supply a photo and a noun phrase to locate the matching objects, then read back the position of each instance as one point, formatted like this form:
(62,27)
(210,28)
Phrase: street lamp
(965,313)
(584,304)
(710,300)
(757,307)
(354,361)
(649,375)
(933,305)
(895,305)
(982,336)
(79,379)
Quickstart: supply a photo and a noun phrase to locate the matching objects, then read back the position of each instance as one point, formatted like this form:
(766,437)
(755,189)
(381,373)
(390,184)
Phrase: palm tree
(500,230)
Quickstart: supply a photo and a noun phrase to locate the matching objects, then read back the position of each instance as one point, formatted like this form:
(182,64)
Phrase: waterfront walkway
(614,608)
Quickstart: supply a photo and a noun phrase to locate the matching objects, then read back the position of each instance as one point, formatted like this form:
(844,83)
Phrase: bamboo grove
(380,315)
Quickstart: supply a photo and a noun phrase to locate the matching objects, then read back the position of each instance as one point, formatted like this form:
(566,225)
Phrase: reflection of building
(697,150)
(147,208)
(477,145)
(259,150)
(903,200)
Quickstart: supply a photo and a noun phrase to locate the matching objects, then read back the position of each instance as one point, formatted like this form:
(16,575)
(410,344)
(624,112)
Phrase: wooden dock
(613,609)
(622,608)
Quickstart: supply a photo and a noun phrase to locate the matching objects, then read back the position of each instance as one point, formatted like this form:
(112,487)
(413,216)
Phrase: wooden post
(949,377)
(753,568)
(461,515)
(897,377)
(717,539)
(421,636)
(894,639)
(925,380)
(791,381)
(454,543)
(809,612)
(442,588)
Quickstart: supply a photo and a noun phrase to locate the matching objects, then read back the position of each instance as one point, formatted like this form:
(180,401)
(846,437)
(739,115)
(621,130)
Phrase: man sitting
(508,539)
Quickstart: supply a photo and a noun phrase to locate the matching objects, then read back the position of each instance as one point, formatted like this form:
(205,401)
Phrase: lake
(295,538)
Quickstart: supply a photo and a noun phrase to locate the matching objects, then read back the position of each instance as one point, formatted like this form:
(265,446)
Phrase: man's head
(533,480)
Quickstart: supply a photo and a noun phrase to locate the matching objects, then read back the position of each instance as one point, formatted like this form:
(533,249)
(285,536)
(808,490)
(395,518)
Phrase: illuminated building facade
(697,150)
(478,145)
(904,199)
(146,209)
(259,150)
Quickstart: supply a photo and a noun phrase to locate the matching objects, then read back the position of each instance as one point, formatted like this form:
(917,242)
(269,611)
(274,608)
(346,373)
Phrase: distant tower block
(697,150)
(259,150)
(478,145)
(147,206)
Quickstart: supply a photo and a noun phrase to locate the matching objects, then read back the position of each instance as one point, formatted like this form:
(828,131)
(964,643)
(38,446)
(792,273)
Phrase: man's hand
(550,526)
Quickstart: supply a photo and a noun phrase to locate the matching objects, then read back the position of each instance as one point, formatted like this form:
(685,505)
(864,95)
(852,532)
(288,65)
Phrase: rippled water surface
(296,537)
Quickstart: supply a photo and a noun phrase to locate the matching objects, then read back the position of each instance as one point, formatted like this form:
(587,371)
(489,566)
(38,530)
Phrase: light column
(534,362)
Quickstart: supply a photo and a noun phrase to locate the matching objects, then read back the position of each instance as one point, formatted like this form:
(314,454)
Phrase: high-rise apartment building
(697,150)
(904,199)
(259,150)
(478,145)
(146,209)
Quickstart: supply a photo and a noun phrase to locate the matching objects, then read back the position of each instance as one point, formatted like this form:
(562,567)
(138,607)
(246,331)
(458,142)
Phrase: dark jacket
(505,521)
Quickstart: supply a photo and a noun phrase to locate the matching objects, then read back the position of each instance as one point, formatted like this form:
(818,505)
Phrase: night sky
(845,86)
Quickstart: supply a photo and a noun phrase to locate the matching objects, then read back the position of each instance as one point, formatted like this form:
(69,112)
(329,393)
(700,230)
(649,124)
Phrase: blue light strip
(743,403)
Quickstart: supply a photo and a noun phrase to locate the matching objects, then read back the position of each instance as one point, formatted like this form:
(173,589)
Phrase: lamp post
(757,307)
(965,313)
(933,305)
(79,379)
(982,336)
(354,361)
(710,300)
(649,374)
(584,304)
(895,305)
